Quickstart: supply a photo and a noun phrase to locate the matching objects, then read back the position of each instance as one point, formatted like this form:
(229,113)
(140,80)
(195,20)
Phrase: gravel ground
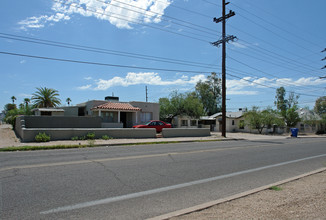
(301,199)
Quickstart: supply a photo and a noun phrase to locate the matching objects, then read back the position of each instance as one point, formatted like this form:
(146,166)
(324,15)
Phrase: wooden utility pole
(224,40)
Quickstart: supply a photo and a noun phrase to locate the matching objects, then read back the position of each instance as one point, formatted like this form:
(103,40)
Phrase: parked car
(158,125)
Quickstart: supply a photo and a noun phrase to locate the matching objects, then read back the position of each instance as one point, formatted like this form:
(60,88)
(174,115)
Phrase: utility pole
(224,40)
(324,67)
(146,94)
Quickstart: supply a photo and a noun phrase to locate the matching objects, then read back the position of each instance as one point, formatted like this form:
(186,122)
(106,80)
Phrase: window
(232,122)
(184,122)
(193,122)
(160,123)
(145,116)
(302,127)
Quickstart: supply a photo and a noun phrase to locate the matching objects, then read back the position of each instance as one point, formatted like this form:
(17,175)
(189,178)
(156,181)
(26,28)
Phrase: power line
(283,20)
(278,56)
(267,86)
(99,64)
(270,62)
(276,26)
(160,14)
(269,43)
(132,21)
(103,51)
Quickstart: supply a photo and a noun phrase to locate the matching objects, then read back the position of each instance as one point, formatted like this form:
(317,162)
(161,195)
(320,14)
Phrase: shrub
(75,138)
(82,138)
(90,136)
(42,137)
(105,137)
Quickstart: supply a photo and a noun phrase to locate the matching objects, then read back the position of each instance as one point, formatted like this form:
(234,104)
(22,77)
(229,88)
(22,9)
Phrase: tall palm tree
(68,100)
(13,98)
(27,101)
(45,98)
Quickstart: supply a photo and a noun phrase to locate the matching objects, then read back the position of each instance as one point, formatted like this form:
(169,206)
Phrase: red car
(158,125)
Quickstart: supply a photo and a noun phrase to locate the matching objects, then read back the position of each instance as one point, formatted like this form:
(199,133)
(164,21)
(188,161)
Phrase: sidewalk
(9,139)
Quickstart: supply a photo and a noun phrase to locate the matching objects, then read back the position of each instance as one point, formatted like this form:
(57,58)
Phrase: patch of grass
(106,137)
(275,188)
(75,138)
(91,143)
(90,136)
(32,148)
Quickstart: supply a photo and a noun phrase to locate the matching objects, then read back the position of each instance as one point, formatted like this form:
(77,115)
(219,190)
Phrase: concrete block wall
(28,134)
(60,122)
(185,132)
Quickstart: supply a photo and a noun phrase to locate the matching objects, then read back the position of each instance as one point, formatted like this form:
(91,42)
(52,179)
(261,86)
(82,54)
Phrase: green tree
(209,93)
(9,107)
(262,119)
(180,104)
(320,105)
(68,100)
(27,101)
(13,98)
(45,98)
(287,107)
(281,102)
(291,117)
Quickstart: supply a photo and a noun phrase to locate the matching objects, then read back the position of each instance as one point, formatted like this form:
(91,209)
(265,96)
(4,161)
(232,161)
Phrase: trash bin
(294,132)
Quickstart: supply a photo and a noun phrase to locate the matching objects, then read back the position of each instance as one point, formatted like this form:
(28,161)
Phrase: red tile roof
(117,106)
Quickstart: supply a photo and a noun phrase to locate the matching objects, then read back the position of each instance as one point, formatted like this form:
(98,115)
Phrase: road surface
(139,182)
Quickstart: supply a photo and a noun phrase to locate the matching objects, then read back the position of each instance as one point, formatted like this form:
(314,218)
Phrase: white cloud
(39,22)
(242,86)
(120,13)
(149,78)
(88,78)
(84,87)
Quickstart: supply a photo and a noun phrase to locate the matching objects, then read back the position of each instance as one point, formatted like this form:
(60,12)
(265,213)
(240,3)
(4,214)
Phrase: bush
(82,138)
(90,136)
(42,137)
(75,138)
(105,137)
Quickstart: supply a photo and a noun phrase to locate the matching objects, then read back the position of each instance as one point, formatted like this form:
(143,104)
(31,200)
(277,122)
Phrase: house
(114,114)
(214,122)
(309,121)
(48,111)
(234,121)
(184,122)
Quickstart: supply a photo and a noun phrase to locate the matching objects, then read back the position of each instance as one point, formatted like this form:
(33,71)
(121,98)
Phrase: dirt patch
(7,136)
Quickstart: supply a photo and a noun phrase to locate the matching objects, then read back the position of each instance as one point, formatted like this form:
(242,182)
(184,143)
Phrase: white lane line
(168,188)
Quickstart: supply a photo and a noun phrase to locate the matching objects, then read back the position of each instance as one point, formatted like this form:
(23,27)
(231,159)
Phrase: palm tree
(68,100)
(27,101)
(45,98)
(13,98)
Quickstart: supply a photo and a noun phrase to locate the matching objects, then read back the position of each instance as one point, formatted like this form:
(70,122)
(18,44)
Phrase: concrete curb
(233,197)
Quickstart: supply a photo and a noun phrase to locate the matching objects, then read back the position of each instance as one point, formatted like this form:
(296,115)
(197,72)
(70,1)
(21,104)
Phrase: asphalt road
(139,182)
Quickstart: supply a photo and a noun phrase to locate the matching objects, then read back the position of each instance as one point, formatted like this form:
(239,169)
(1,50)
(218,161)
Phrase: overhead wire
(117,16)
(160,14)
(97,63)
(276,26)
(103,51)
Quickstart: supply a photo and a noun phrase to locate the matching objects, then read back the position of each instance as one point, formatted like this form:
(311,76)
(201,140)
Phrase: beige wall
(147,107)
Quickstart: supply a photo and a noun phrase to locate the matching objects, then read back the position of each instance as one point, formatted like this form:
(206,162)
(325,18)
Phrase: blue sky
(279,44)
